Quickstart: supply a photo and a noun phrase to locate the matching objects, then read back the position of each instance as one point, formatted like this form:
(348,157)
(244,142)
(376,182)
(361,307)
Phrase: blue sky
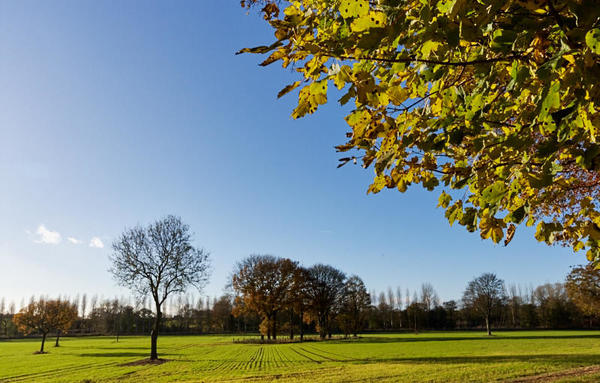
(117,113)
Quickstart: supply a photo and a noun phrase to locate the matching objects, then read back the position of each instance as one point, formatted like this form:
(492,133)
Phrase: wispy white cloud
(96,242)
(47,236)
(74,241)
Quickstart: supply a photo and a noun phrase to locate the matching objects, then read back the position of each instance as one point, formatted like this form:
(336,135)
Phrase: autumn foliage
(267,286)
(43,316)
(492,104)
(583,287)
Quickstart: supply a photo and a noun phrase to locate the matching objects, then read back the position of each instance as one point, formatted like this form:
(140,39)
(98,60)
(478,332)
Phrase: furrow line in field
(46,373)
(229,357)
(320,355)
(259,354)
(267,360)
(342,356)
(250,362)
(60,371)
(280,356)
(306,356)
(286,355)
(258,358)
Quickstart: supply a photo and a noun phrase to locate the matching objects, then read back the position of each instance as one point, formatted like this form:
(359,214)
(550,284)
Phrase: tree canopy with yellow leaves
(490,103)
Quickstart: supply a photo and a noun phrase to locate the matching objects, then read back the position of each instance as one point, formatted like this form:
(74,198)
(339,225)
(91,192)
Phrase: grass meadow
(535,356)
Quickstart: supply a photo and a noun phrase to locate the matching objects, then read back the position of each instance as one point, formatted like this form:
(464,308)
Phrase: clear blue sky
(116,113)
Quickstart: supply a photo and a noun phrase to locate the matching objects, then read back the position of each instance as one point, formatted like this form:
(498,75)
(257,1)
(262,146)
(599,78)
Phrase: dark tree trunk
(43,341)
(415,323)
(57,338)
(301,325)
(275,325)
(487,325)
(322,328)
(154,335)
(118,326)
(291,325)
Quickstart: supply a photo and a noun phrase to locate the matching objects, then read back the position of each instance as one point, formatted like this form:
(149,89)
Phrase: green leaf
(427,47)
(592,39)
(518,215)
(444,200)
(503,39)
(551,101)
(354,8)
(445,6)
(368,21)
(494,193)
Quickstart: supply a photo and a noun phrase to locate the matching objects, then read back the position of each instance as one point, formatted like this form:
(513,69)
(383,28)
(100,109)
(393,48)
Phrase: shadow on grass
(583,359)
(125,347)
(426,338)
(118,354)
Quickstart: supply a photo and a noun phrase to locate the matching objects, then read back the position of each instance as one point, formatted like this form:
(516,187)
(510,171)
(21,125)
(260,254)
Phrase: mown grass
(427,357)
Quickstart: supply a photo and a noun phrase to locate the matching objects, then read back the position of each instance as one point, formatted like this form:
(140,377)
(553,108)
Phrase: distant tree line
(277,296)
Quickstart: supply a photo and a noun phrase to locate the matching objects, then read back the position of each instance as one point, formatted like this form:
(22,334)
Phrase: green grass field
(427,357)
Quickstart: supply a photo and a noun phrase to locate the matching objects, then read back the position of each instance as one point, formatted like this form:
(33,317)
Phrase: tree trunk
(513,316)
(43,341)
(416,327)
(487,325)
(57,338)
(275,325)
(154,335)
(301,325)
(322,328)
(291,325)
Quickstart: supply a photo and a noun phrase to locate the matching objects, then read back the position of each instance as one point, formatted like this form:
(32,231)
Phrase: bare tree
(428,296)
(83,305)
(399,304)
(483,294)
(159,260)
(4,317)
(392,303)
(94,302)
(514,303)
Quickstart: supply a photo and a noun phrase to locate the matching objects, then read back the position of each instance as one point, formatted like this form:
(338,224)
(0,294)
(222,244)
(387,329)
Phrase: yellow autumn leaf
(354,8)
(368,21)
